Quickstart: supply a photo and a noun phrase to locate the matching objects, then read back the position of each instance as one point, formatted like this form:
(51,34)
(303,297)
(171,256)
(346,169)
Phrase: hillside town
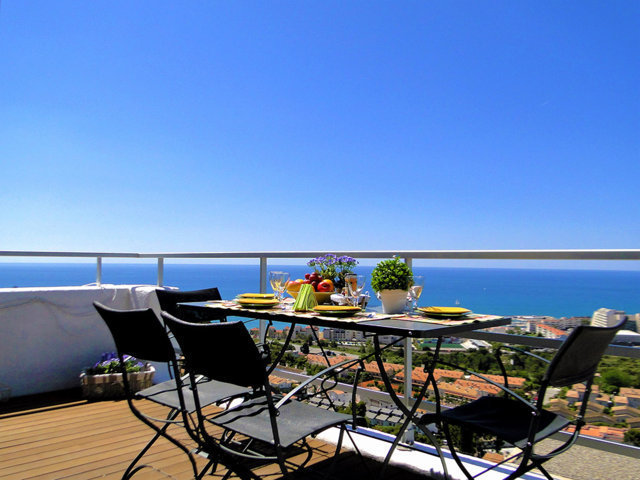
(609,415)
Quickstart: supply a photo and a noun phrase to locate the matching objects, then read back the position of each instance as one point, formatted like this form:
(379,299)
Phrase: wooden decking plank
(90,440)
(56,436)
(88,410)
(70,423)
(44,452)
(111,465)
(116,459)
(27,428)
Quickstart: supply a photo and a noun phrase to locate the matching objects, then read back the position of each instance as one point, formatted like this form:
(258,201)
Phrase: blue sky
(334,125)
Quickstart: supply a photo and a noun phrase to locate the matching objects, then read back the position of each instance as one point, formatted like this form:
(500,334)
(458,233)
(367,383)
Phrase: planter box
(111,386)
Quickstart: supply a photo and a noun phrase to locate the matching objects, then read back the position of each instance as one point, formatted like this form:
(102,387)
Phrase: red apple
(325,286)
(294,285)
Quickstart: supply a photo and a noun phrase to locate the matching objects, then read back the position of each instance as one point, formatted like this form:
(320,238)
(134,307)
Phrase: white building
(627,337)
(548,331)
(342,335)
(529,323)
(565,323)
(607,317)
(472,344)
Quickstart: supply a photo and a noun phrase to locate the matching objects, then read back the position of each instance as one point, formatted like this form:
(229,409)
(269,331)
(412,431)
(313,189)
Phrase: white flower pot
(393,301)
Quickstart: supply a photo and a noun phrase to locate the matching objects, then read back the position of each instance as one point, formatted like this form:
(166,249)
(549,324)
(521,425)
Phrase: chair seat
(508,419)
(210,392)
(296,420)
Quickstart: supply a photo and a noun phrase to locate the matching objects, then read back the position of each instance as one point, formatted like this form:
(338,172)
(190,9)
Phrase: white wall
(48,335)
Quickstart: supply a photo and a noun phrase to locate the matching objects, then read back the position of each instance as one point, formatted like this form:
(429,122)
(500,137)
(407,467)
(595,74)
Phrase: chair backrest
(169,298)
(220,351)
(579,355)
(138,333)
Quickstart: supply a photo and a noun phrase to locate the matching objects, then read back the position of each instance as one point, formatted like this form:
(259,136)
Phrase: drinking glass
(355,284)
(416,289)
(282,286)
(275,278)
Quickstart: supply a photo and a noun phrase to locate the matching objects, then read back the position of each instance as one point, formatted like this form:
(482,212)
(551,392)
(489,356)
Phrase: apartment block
(607,317)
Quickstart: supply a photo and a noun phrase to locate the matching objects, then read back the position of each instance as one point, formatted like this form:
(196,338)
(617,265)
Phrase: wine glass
(416,289)
(275,278)
(282,286)
(355,284)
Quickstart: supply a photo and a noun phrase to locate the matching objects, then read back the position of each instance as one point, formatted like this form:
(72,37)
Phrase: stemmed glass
(278,281)
(355,284)
(416,289)
(282,286)
(274,281)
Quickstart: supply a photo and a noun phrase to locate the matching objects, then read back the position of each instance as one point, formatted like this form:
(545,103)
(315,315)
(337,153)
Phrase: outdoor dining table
(377,325)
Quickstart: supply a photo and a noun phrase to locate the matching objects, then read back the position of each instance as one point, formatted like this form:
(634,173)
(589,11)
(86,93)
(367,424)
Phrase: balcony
(30,423)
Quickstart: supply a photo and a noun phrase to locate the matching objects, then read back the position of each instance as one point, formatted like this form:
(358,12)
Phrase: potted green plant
(391,280)
(104,379)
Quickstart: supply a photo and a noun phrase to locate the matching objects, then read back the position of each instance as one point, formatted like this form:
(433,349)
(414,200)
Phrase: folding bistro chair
(140,333)
(266,427)
(522,423)
(169,300)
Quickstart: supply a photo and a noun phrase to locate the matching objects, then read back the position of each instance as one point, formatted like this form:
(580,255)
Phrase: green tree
(632,436)
(361,409)
(466,441)
(612,379)
(301,362)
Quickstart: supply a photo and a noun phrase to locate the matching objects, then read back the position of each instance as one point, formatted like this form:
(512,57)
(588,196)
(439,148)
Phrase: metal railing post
(263,289)
(408,370)
(160,271)
(99,271)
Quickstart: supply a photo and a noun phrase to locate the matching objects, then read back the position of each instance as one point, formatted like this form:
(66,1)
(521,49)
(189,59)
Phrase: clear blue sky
(298,125)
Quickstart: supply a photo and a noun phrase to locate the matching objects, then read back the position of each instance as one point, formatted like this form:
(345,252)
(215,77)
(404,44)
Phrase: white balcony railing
(408,256)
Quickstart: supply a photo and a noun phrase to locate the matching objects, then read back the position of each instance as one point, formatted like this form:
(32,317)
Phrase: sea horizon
(504,291)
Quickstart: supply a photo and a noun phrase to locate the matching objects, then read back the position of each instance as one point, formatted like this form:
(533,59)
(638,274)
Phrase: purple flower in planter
(110,363)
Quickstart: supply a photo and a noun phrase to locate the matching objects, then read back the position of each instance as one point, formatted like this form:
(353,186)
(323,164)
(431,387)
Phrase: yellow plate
(444,311)
(264,296)
(336,310)
(257,302)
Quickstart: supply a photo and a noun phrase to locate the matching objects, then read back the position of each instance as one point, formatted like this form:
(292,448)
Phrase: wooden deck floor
(59,436)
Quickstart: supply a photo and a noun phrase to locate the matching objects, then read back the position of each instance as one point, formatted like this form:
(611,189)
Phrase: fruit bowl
(321,297)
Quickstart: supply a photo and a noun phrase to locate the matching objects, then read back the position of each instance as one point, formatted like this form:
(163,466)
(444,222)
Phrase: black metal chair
(267,427)
(140,333)
(521,423)
(169,300)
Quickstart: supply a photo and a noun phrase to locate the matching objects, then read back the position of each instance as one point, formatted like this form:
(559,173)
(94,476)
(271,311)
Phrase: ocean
(500,291)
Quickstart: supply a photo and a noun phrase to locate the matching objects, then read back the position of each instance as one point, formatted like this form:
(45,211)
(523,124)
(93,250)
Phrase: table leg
(409,413)
(408,436)
(287,341)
